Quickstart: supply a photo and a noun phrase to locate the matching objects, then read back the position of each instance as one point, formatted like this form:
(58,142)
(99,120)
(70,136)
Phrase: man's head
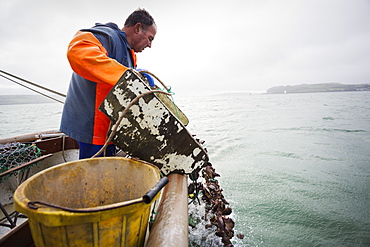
(140,30)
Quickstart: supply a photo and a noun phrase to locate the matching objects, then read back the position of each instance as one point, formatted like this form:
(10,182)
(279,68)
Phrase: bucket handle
(147,198)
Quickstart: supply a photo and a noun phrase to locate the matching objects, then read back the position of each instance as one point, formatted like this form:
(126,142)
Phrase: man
(99,56)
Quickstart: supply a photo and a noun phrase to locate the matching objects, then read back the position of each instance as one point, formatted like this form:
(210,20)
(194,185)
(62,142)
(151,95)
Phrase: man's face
(144,39)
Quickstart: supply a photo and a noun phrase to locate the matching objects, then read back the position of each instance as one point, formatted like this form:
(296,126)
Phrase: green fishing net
(15,154)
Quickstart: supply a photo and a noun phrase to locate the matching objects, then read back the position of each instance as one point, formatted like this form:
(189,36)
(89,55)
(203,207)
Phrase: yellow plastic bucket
(106,198)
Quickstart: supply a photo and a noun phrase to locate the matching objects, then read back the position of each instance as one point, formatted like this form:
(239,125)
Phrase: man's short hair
(140,16)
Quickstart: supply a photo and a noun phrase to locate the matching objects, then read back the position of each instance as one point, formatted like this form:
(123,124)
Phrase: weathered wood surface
(150,131)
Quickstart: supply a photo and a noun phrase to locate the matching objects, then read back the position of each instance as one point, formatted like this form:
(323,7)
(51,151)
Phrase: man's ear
(138,27)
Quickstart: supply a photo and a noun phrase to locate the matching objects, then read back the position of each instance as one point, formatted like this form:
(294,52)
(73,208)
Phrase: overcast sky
(201,47)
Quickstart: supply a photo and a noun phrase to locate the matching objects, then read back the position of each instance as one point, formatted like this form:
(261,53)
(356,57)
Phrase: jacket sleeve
(89,59)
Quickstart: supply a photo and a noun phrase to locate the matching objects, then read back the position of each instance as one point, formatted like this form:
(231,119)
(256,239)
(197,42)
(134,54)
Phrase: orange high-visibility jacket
(98,56)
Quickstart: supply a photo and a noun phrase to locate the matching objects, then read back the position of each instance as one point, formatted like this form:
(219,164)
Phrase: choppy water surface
(295,167)
(25,119)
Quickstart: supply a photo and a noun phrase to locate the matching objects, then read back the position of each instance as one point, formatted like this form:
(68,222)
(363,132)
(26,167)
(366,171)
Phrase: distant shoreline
(318,88)
(24,99)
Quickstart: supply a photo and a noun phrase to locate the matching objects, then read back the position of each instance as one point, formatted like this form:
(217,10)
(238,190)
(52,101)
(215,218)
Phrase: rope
(150,73)
(115,126)
(33,84)
(31,89)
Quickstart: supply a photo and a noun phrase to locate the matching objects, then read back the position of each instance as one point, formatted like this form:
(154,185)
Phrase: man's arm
(89,59)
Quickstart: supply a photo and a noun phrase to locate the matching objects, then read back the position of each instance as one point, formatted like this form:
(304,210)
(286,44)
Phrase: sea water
(295,168)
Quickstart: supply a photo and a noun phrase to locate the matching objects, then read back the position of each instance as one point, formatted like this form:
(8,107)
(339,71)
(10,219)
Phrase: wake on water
(200,234)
